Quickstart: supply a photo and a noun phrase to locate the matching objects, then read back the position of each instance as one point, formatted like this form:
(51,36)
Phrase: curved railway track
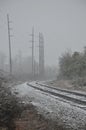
(63,90)
(75,97)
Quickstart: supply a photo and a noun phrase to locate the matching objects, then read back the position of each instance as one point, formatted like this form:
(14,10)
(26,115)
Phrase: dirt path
(31,120)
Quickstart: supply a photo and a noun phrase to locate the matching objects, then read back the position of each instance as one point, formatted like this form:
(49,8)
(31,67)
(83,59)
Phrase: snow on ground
(58,91)
(53,107)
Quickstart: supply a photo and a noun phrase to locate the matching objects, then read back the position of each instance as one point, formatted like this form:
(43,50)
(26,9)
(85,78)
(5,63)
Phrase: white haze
(63,23)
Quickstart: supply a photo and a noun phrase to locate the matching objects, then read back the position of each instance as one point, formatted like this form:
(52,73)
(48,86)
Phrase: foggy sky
(62,22)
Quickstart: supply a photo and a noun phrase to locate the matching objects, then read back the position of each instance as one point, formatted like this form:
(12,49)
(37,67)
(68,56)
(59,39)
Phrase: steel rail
(66,97)
(63,90)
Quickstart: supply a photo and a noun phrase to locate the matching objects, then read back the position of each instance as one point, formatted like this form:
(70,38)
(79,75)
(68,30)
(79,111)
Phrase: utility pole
(41,55)
(20,61)
(32,41)
(9,38)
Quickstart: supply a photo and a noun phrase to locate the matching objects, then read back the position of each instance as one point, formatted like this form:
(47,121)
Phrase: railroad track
(63,90)
(75,97)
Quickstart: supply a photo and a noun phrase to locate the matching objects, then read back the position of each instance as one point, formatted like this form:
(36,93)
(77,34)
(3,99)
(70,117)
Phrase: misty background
(62,23)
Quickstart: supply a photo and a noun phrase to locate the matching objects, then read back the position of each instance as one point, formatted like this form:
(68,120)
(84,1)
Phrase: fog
(62,23)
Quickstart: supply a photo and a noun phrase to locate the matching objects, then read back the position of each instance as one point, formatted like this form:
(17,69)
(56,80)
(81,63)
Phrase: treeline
(22,68)
(72,65)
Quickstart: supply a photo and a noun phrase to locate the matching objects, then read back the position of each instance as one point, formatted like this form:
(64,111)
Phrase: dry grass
(75,84)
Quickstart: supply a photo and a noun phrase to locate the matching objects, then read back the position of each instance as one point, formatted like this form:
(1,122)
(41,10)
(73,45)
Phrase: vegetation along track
(62,93)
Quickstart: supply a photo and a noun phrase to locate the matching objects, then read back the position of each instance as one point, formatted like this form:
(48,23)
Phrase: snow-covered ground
(82,98)
(53,107)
